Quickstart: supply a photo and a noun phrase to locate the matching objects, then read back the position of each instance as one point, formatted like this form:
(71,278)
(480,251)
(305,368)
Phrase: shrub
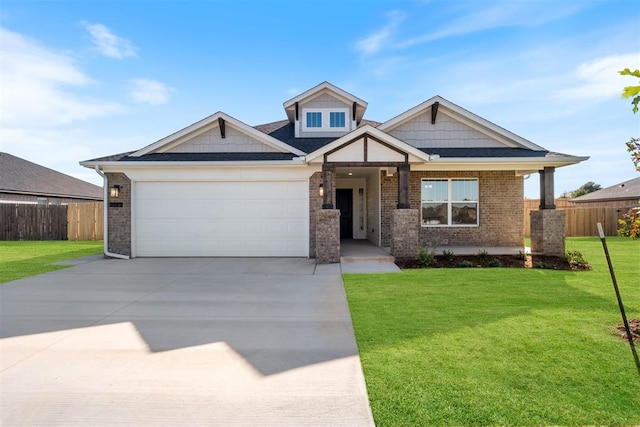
(465,264)
(630,224)
(483,254)
(544,265)
(522,256)
(426,257)
(447,254)
(495,263)
(576,259)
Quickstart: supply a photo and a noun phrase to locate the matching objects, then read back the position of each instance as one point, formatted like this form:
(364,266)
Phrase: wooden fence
(579,221)
(85,221)
(78,221)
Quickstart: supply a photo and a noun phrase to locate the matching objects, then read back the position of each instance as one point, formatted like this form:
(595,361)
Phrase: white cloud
(108,44)
(147,91)
(379,39)
(598,79)
(479,16)
(37,86)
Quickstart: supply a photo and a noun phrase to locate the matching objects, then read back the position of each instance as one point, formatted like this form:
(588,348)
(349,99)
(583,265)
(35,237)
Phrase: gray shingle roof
(207,157)
(24,177)
(628,190)
(484,152)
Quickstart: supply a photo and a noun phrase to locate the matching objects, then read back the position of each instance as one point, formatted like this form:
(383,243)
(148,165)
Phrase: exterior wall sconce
(114,191)
(320,190)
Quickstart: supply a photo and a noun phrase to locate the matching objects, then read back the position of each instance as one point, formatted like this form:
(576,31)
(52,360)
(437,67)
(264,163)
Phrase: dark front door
(344,203)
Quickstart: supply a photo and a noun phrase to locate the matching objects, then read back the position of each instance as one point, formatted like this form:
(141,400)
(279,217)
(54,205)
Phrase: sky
(85,79)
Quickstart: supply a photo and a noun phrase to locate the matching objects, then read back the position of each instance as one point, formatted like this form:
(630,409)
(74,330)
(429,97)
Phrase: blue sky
(83,79)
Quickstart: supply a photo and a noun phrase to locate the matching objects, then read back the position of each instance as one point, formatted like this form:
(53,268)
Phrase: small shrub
(483,254)
(495,263)
(522,256)
(465,264)
(630,224)
(426,257)
(447,254)
(576,259)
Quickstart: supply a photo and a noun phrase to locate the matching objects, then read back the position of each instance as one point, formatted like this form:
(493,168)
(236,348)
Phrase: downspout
(105,188)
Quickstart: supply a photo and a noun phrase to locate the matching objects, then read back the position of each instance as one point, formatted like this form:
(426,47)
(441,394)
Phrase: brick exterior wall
(327,236)
(119,239)
(501,210)
(547,232)
(405,233)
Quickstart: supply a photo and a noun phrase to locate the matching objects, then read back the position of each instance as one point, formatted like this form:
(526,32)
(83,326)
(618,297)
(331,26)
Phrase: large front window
(449,202)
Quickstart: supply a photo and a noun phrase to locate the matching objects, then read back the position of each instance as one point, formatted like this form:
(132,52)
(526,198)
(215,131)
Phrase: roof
(625,190)
(20,176)
(207,157)
(493,152)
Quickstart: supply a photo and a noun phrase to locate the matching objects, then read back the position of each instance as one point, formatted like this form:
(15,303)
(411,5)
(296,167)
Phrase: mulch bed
(634,326)
(531,261)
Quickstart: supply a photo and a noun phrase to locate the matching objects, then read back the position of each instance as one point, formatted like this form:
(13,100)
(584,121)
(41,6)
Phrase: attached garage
(220,218)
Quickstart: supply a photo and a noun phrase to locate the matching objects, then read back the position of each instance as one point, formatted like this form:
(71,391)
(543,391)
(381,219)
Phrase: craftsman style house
(296,187)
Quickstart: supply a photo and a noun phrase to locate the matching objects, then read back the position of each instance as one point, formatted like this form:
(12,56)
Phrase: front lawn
(506,346)
(28,258)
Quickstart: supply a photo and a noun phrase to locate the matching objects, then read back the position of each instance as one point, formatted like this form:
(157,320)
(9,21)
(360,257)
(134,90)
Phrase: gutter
(105,188)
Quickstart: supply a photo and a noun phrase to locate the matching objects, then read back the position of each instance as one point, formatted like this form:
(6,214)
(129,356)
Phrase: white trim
(326,119)
(449,202)
(395,142)
(209,123)
(464,116)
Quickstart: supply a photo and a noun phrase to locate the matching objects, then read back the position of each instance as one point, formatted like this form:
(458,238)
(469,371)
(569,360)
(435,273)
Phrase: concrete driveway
(194,341)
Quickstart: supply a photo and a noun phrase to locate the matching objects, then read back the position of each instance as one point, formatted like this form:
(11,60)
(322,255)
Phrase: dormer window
(325,119)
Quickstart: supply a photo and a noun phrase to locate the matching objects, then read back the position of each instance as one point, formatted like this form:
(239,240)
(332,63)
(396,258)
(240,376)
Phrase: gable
(324,100)
(211,141)
(447,132)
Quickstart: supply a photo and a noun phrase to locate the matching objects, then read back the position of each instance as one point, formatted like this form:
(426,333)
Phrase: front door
(344,203)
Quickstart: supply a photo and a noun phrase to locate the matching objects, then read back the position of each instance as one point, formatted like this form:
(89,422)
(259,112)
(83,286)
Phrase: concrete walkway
(195,341)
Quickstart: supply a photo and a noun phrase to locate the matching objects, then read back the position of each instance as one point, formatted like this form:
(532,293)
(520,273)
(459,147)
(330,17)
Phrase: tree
(633,145)
(586,188)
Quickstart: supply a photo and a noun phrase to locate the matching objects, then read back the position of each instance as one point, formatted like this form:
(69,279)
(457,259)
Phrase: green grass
(24,259)
(500,346)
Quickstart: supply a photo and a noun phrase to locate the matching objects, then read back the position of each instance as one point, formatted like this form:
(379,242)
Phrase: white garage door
(221,219)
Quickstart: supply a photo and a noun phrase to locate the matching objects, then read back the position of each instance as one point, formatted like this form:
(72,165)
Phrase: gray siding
(211,142)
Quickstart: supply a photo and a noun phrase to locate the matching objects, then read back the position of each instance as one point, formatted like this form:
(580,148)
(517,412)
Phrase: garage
(220,218)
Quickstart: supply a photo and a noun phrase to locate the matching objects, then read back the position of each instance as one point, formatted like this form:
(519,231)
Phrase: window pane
(464,189)
(314,120)
(464,213)
(337,119)
(434,213)
(436,189)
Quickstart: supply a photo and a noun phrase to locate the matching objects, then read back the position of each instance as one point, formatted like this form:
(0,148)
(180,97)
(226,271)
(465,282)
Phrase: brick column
(405,229)
(547,232)
(119,212)
(327,236)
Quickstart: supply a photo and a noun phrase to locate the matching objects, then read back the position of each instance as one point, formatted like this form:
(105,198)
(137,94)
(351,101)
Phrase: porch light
(320,190)
(114,191)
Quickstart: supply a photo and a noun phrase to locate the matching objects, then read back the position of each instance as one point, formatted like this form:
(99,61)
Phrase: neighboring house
(435,173)
(25,182)
(623,196)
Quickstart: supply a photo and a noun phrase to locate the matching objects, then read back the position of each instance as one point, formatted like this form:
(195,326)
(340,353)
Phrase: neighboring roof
(465,116)
(628,190)
(20,176)
(212,121)
(325,87)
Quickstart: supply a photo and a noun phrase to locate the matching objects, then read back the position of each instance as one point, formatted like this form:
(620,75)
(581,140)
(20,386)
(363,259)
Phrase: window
(337,119)
(449,202)
(314,119)
(325,119)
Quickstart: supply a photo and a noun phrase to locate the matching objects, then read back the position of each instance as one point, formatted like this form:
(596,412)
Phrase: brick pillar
(405,229)
(119,212)
(327,236)
(547,232)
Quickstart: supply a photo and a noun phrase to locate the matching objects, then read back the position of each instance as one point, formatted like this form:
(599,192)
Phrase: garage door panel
(221,218)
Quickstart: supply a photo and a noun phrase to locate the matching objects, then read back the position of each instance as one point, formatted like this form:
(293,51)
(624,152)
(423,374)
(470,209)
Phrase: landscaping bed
(489,261)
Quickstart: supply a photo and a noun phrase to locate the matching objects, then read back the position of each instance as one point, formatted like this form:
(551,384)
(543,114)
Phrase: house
(24,182)
(296,187)
(623,196)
